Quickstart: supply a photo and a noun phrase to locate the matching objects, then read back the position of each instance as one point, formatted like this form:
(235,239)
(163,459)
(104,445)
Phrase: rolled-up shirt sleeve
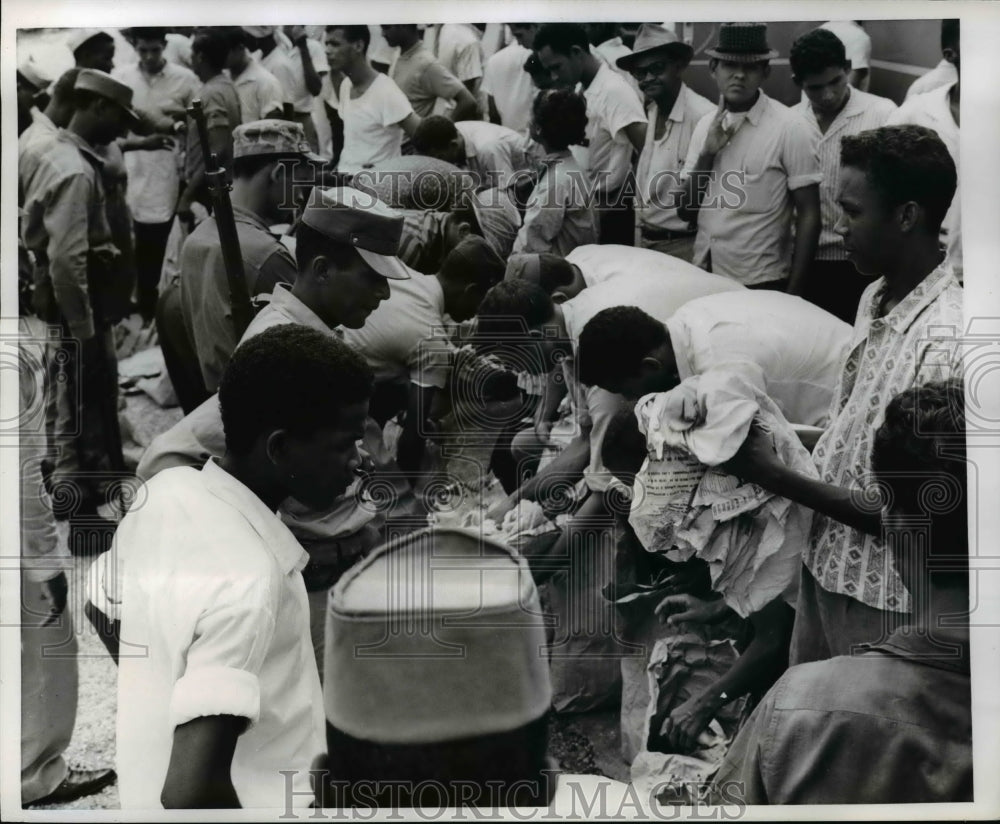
(223,661)
(67,226)
(800,155)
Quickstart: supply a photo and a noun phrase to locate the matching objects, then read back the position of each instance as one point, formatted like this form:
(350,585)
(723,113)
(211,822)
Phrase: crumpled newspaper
(682,506)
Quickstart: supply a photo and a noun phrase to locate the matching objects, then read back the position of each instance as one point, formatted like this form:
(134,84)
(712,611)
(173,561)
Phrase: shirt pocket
(764,191)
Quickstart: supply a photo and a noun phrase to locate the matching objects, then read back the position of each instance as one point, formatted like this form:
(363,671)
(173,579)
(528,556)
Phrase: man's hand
(755,461)
(55,591)
(677,609)
(718,135)
(685,724)
(497,512)
(297,34)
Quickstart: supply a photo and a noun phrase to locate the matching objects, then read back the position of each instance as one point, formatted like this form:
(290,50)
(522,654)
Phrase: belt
(664,234)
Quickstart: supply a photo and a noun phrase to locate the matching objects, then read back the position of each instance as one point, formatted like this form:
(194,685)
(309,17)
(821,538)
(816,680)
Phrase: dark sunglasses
(657,68)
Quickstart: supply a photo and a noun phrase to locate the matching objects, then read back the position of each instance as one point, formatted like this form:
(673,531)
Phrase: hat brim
(388,266)
(679,49)
(742,57)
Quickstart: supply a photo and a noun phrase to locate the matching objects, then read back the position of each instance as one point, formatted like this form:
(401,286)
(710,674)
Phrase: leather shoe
(77,784)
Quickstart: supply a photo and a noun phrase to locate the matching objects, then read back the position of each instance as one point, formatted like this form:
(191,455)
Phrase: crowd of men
(464,263)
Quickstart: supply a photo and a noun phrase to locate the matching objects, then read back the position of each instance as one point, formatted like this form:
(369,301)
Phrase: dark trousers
(88,436)
(836,285)
(779,285)
(150,247)
(179,355)
(617,222)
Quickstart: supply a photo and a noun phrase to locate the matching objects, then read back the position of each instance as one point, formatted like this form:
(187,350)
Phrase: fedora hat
(653,37)
(104,85)
(742,43)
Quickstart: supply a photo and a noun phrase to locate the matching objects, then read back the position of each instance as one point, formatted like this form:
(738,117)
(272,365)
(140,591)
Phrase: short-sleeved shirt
(933,111)
(423,245)
(787,347)
(660,297)
(861,112)
(746,222)
(916,343)
(890,726)
(260,92)
(661,160)
(857,42)
(612,105)
(560,213)
(153,176)
(494,152)
(205,300)
(65,218)
(458,46)
(31,145)
(279,62)
(405,339)
(510,86)
(423,79)
(221,105)
(301,99)
(215,621)
(372,132)
(610,51)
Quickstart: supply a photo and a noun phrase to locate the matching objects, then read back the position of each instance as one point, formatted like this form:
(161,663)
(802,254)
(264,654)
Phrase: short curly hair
(560,116)
(289,377)
(905,163)
(815,52)
(919,458)
(614,342)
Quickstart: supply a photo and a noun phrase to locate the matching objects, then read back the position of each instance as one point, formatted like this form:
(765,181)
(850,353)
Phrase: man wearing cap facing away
(345,255)
(657,63)
(218,690)
(265,154)
(66,227)
(750,165)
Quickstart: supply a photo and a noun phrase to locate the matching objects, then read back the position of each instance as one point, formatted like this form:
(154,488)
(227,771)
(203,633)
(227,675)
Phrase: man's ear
(319,268)
(909,214)
(559,297)
(464,229)
(274,446)
(949,54)
(650,365)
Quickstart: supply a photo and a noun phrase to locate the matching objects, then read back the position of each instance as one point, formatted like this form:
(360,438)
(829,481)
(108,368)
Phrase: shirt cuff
(217,690)
(800,181)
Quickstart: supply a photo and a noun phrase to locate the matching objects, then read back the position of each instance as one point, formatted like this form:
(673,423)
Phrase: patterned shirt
(560,214)
(917,342)
(861,112)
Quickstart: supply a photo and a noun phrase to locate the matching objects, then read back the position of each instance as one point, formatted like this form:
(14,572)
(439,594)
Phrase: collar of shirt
(852,108)
(410,52)
(246,216)
(251,73)
(43,120)
(614,42)
(274,534)
(295,309)
(756,111)
(906,312)
(603,72)
(919,646)
(83,146)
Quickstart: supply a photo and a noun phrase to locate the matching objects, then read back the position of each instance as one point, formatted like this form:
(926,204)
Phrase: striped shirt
(917,342)
(862,111)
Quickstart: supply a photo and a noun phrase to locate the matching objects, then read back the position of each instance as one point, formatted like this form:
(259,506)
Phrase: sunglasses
(657,68)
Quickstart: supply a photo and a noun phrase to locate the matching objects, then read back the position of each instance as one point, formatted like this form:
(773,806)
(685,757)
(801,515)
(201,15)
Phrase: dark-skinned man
(616,123)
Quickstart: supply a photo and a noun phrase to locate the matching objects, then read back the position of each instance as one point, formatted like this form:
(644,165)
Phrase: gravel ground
(582,744)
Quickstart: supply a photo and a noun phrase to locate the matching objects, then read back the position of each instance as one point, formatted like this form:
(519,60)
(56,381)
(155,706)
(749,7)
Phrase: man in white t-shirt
(616,122)
(374,111)
(858,46)
(309,68)
(507,86)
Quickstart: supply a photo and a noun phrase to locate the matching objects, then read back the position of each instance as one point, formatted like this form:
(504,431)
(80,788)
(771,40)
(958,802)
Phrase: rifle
(215,175)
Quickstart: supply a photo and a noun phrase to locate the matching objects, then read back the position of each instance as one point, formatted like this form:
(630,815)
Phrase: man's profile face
(739,82)
(150,55)
(523,34)
(865,223)
(321,466)
(113,123)
(395,34)
(827,90)
(564,69)
(337,49)
(351,293)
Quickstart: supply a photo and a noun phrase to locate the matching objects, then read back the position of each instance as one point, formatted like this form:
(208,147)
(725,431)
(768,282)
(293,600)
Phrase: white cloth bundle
(683,507)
